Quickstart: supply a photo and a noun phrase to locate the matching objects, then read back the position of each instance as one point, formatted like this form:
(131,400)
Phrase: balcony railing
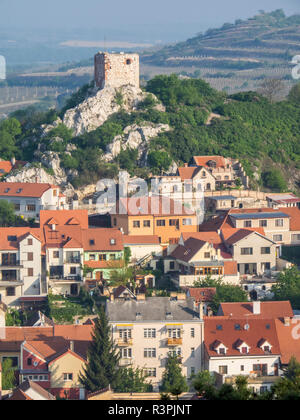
(174,341)
(67,278)
(10,263)
(126,361)
(124,342)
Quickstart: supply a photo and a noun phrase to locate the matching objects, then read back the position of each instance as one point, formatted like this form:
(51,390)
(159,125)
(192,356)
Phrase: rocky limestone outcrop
(135,137)
(97,108)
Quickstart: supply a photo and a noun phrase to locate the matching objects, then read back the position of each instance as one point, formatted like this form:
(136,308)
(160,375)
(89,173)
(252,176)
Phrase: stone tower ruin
(117,70)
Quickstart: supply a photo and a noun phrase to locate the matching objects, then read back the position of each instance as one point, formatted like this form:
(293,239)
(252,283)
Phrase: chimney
(257,308)
(201,310)
(72,345)
(286,321)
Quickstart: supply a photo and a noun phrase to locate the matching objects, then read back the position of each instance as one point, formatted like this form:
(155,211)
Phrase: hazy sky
(140,17)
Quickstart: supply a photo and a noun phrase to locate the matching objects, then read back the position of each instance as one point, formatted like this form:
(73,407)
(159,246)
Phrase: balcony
(11,283)
(126,361)
(174,342)
(10,264)
(124,342)
(67,279)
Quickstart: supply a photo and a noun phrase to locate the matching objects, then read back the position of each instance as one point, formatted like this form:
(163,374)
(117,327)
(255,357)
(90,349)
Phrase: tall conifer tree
(101,369)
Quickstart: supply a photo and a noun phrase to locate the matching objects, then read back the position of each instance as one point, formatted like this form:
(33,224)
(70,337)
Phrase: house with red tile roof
(29,391)
(55,364)
(280,309)
(21,264)
(236,346)
(29,198)
(142,246)
(7,166)
(195,259)
(202,295)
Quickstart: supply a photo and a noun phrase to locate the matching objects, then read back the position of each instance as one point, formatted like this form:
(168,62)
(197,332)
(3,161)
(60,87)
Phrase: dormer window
(220,348)
(7,190)
(244,350)
(92,241)
(265,346)
(19,190)
(242,347)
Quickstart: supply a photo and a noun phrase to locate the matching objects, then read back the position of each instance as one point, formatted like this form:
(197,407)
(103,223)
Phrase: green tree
(274,180)
(8,375)
(288,387)
(7,214)
(101,369)
(127,255)
(132,380)
(204,384)
(173,381)
(287,287)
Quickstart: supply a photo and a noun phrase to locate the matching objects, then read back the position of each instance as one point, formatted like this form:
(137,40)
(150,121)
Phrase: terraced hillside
(266,40)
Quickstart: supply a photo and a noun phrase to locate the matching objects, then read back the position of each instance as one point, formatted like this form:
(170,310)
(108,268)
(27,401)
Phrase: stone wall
(117,70)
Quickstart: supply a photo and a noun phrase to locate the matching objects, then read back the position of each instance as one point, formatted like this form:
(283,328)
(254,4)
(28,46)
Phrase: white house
(29,198)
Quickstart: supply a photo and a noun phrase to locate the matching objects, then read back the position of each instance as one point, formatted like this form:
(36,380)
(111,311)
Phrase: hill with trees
(266,39)
(262,133)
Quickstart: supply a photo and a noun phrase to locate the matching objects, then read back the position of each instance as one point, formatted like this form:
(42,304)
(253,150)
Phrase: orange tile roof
(50,348)
(224,330)
(16,335)
(65,217)
(294,213)
(101,239)
(232,236)
(202,294)
(203,160)
(187,172)
(9,189)
(212,237)
(20,233)
(289,341)
(140,240)
(230,268)
(268,309)
(63,237)
(6,166)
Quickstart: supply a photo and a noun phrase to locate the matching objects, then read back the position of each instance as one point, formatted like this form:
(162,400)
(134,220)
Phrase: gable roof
(20,233)
(232,332)
(203,160)
(274,310)
(288,335)
(21,392)
(188,172)
(26,189)
(65,217)
(202,294)
(187,251)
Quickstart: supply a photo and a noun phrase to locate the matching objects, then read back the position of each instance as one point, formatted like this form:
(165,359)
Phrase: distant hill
(267,39)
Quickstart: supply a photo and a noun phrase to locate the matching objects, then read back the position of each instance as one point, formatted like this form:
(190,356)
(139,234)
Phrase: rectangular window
(147,223)
(248,223)
(161,223)
(55,254)
(150,372)
(149,333)
(136,224)
(263,223)
(187,222)
(277,238)
(207,255)
(223,370)
(265,250)
(30,272)
(29,242)
(92,257)
(10,291)
(126,353)
(73,270)
(174,333)
(31,207)
(173,222)
(193,352)
(193,332)
(246,251)
(68,377)
(149,352)
(172,265)
(296,238)
(102,257)
(30,256)
(279,222)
